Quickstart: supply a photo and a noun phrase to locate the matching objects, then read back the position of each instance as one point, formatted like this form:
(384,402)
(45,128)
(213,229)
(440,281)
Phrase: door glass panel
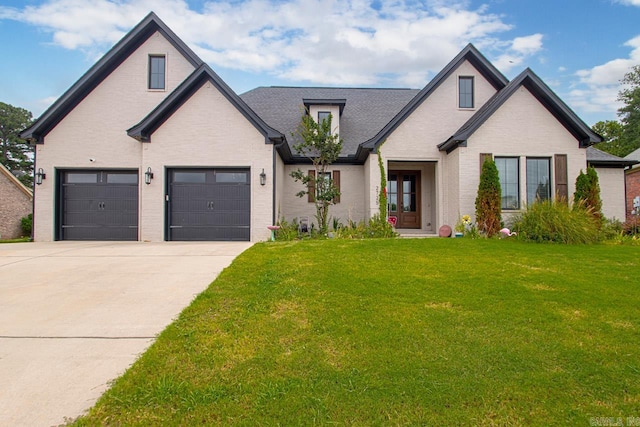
(190,177)
(392,192)
(82,178)
(122,178)
(234,177)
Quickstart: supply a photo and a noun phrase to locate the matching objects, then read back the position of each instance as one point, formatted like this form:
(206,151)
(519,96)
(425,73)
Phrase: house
(150,144)
(16,202)
(632,181)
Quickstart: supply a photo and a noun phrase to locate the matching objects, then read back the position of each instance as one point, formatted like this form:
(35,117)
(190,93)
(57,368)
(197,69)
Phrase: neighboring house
(150,144)
(632,180)
(611,177)
(16,202)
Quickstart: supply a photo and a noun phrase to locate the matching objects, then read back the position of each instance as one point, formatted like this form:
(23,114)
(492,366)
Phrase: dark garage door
(209,204)
(99,205)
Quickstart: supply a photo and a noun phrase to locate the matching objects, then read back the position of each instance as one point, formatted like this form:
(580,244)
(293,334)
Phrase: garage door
(99,205)
(209,204)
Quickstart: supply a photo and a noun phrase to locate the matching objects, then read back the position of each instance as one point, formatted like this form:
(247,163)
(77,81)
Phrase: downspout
(273,191)
(33,189)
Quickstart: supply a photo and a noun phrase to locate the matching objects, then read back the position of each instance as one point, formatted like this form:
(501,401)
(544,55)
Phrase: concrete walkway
(75,315)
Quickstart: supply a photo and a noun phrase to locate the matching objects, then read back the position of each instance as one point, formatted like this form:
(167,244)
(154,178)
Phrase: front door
(403,191)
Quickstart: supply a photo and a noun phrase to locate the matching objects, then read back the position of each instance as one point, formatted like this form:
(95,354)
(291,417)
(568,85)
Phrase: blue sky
(581,48)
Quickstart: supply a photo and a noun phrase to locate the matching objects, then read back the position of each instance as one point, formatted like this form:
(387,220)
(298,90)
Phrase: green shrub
(375,228)
(632,226)
(26,223)
(587,194)
(288,230)
(488,201)
(556,221)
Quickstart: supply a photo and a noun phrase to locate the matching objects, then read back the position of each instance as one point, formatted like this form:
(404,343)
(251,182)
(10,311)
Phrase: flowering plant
(466,226)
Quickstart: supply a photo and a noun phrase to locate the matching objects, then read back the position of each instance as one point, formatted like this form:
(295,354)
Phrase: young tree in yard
(318,143)
(630,113)
(488,201)
(587,194)
(15,153)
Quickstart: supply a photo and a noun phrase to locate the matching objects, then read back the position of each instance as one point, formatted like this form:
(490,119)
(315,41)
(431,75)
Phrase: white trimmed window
(465,92)
(157,72)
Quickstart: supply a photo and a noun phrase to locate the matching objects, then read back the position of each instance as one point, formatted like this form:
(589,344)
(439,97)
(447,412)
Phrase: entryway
(404,197)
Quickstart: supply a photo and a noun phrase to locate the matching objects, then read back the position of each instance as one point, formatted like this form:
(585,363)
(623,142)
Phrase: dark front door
(98,205)
(209,204)
(403,192)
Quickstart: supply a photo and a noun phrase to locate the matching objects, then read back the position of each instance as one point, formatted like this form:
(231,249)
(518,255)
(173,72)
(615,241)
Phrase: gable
(544,96)
(470,54)
(148,28)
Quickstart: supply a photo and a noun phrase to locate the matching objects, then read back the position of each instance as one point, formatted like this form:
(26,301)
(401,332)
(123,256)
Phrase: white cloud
(519,49)
(598,87)
(630,2)
(313,41)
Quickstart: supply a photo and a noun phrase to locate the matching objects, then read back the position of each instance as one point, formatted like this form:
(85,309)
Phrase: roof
(469,53)
(547,98)
(634,155)
(365,112)
(597,157)
(12,178)
(143,130)
(105,66)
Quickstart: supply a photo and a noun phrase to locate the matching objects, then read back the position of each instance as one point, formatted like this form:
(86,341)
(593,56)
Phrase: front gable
(150,37)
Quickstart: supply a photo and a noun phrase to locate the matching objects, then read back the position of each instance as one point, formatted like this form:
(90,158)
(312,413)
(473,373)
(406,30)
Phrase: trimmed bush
(556,221)
(488,205)
(587,194)
(26,223)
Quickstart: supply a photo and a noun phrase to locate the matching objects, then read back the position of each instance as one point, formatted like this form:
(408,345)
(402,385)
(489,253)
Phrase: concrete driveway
(75,315)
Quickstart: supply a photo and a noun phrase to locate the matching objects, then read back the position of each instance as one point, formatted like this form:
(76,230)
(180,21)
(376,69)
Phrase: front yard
(398,332)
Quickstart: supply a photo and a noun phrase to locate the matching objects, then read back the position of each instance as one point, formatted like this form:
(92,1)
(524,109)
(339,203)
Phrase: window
(156,71)
(508,171)
(465,92)
(538,180)
(322,116)
(320,184)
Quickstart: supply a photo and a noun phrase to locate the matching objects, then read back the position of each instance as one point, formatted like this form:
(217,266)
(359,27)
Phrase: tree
(611,132)
(488,201)
(630,113)
(318,143)
(16,153)
(587,194)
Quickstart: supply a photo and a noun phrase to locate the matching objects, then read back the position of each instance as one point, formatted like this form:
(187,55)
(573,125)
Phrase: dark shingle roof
(597,157)
(366,111)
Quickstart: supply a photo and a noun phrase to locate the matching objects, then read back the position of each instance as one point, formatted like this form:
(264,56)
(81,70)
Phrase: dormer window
(465,92)
(157,72)
(322,116)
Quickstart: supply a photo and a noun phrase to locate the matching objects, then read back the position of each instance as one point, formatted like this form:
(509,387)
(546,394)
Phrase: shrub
(587,194)
(375,228)
(632,226)
(26,223)
(488,201)
(288,230)
(556,221)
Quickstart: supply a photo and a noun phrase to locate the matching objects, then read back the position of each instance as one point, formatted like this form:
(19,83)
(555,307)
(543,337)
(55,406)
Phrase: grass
(18,240)
(397,332)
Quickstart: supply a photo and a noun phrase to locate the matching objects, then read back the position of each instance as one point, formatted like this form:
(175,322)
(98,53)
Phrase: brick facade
(632,179)
(16,202)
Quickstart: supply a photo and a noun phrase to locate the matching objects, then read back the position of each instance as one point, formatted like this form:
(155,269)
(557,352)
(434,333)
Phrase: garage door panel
(211,204)
(99,205)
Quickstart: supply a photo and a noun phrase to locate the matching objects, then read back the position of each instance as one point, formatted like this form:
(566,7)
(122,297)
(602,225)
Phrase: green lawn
(398,332)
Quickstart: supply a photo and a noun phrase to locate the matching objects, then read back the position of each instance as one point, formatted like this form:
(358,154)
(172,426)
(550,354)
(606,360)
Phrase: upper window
(465,92)
(157,71)
(322,116)
(508,171)
(538,180)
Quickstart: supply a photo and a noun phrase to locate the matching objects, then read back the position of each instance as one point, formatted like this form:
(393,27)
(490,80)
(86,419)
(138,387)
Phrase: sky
(580,48)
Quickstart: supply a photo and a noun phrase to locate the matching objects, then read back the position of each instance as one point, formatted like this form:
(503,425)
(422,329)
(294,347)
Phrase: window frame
(150,75)
(517,183)
(549,182)
(462,93)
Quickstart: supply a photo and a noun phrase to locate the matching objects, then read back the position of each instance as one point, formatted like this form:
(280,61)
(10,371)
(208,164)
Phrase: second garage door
(209,204)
